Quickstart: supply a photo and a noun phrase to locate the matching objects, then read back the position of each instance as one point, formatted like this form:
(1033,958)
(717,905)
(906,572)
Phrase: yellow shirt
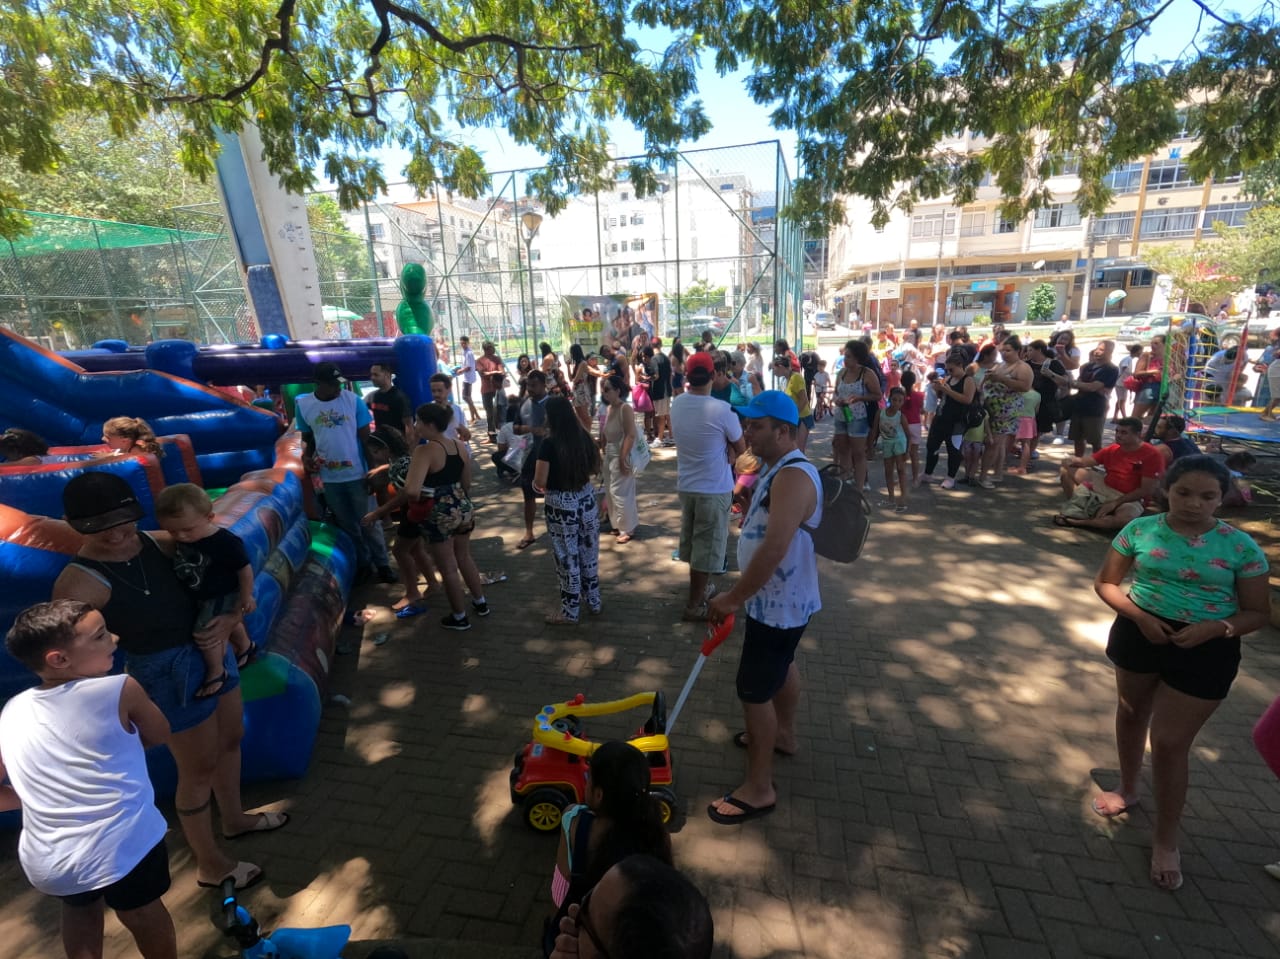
(797,392)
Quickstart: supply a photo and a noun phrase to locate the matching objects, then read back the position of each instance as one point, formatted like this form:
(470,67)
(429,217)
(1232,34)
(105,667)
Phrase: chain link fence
(706,251)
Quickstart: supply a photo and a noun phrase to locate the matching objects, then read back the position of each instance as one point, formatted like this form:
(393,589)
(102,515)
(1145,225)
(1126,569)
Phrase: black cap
(328,373)
(97,501)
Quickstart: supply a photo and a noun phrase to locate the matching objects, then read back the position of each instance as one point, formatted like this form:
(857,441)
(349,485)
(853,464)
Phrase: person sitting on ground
(641,909)
(1107,502)
(620,818)
(73,751)
(212,563)
(129,436)
(1218,372)
(21,447)
(1171,443)
(1238,464)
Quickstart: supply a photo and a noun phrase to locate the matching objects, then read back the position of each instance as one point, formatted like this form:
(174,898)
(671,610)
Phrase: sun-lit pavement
(957,712)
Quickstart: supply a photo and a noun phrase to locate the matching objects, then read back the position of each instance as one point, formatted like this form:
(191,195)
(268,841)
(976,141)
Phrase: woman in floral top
(1198,585)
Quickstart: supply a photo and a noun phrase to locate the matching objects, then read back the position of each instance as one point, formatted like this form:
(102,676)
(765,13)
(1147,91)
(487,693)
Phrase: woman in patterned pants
(567,459)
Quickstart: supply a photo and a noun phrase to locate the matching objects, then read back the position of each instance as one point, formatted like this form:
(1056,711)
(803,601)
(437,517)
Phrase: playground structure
(303,569)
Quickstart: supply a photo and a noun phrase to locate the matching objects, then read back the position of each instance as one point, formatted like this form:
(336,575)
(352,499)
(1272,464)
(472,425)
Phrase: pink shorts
(1027,428)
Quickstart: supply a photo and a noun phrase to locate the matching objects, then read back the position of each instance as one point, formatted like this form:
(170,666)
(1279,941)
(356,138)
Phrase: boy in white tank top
(73,750)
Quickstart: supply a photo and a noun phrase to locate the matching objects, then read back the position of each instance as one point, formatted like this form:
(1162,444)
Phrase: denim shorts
(171,679)
(858,426)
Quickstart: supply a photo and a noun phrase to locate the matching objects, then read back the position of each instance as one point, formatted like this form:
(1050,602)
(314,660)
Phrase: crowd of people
(576,436)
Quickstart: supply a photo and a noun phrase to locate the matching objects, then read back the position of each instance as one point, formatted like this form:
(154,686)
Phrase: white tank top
(790,596)
(88,811)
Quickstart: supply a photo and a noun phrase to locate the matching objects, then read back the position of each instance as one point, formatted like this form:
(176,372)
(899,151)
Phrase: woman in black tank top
(128,576)
(440,471)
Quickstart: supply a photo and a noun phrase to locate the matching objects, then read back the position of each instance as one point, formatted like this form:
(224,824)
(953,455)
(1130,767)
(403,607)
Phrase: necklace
(145,588)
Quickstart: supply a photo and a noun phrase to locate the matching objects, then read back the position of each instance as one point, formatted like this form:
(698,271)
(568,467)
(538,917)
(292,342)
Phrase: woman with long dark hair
(619,819)
(567,459)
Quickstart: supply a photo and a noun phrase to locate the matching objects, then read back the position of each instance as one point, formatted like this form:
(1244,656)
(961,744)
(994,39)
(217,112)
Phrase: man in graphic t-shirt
(334,424)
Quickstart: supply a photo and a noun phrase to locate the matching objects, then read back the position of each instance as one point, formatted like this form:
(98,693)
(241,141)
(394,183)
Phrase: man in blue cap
(779,588)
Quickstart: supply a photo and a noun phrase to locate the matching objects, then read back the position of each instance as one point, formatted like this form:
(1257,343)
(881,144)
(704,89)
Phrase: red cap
(700,361)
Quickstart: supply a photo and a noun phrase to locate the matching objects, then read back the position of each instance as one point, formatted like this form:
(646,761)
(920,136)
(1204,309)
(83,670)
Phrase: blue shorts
(1149,393)
(858,426)
(171,679)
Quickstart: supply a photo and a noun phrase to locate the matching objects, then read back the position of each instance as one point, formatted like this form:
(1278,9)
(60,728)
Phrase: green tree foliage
(877,90)
(1042,303)
(1204,272)
(134,179)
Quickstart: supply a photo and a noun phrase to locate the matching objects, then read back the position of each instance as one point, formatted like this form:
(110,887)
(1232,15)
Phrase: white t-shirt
(88,811)
(459,419)
(469,374)
(336,426)
(703,426)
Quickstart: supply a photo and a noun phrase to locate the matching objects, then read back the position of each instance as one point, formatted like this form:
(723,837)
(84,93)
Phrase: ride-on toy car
(550,773)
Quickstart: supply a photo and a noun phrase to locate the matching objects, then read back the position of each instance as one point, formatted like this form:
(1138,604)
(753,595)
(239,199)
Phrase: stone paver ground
(957,716)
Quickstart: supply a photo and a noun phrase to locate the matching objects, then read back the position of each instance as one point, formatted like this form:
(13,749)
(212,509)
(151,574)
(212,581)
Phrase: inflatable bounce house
(303,568)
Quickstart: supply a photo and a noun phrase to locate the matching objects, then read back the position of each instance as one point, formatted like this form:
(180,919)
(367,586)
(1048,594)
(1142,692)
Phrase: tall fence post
(373,270)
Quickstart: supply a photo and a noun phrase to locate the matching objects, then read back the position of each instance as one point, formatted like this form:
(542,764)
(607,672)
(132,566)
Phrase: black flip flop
(749,811)
(218,683)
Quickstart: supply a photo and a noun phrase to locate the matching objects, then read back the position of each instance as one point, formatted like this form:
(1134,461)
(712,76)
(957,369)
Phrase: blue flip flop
(410,611)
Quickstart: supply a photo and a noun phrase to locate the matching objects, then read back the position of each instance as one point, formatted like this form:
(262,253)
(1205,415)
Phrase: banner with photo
(615,318)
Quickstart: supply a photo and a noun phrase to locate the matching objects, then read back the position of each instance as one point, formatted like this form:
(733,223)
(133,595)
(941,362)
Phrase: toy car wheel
(542,809)
(668,805)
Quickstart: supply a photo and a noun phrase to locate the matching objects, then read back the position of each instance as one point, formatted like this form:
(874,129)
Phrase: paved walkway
(957,715)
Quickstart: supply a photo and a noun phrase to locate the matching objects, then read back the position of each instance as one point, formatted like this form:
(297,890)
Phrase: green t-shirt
(1189,579)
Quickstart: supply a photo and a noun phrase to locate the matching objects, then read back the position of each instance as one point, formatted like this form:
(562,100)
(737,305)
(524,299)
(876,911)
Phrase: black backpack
(846,515)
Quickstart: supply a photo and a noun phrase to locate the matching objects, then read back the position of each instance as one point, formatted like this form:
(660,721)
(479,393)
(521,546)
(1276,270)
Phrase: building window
(637,244)
(1003,225)
(637,219)
(932,224)
(639,271)
(1114,224)
(380,268)
(625,197)
(1142,278)
(1126,178)
(613,248)
(1185,131)
(1179,221)
(1169,175)
(626,271)
(973,224)
(377,231)
(1057,215)
(1064,164)
(613,221)
(1231,214)
(535,256)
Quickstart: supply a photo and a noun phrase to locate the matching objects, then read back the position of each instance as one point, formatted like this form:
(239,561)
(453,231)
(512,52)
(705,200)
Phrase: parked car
(1259,331)
(692,326)
(1141,327)
(824,320)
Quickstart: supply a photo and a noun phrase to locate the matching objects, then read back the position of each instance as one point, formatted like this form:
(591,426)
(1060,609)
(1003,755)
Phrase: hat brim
(128,513)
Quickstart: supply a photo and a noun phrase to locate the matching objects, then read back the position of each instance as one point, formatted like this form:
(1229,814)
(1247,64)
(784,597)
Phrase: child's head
(384,444)
(897,396)
(64,639)
(822,365)
(909,380)
(1135,349)
(1241,462)
(128,434)
(185,512)
(748,462)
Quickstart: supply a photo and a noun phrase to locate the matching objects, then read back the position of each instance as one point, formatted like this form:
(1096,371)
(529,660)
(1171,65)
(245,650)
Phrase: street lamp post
(529,223)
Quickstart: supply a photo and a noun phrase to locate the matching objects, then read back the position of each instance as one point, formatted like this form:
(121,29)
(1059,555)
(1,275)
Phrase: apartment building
(949,263)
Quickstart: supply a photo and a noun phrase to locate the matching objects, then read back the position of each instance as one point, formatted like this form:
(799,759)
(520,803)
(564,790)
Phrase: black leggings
(940,432)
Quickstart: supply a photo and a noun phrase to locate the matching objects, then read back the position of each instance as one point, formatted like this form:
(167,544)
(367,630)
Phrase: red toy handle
(717,635)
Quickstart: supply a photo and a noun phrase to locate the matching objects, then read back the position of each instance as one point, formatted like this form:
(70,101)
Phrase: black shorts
(767,654)
(145,883)
(526,487)
(1205,671)
(466,391)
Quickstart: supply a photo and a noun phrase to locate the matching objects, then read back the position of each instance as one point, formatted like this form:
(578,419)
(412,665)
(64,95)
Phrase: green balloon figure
(413,315)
